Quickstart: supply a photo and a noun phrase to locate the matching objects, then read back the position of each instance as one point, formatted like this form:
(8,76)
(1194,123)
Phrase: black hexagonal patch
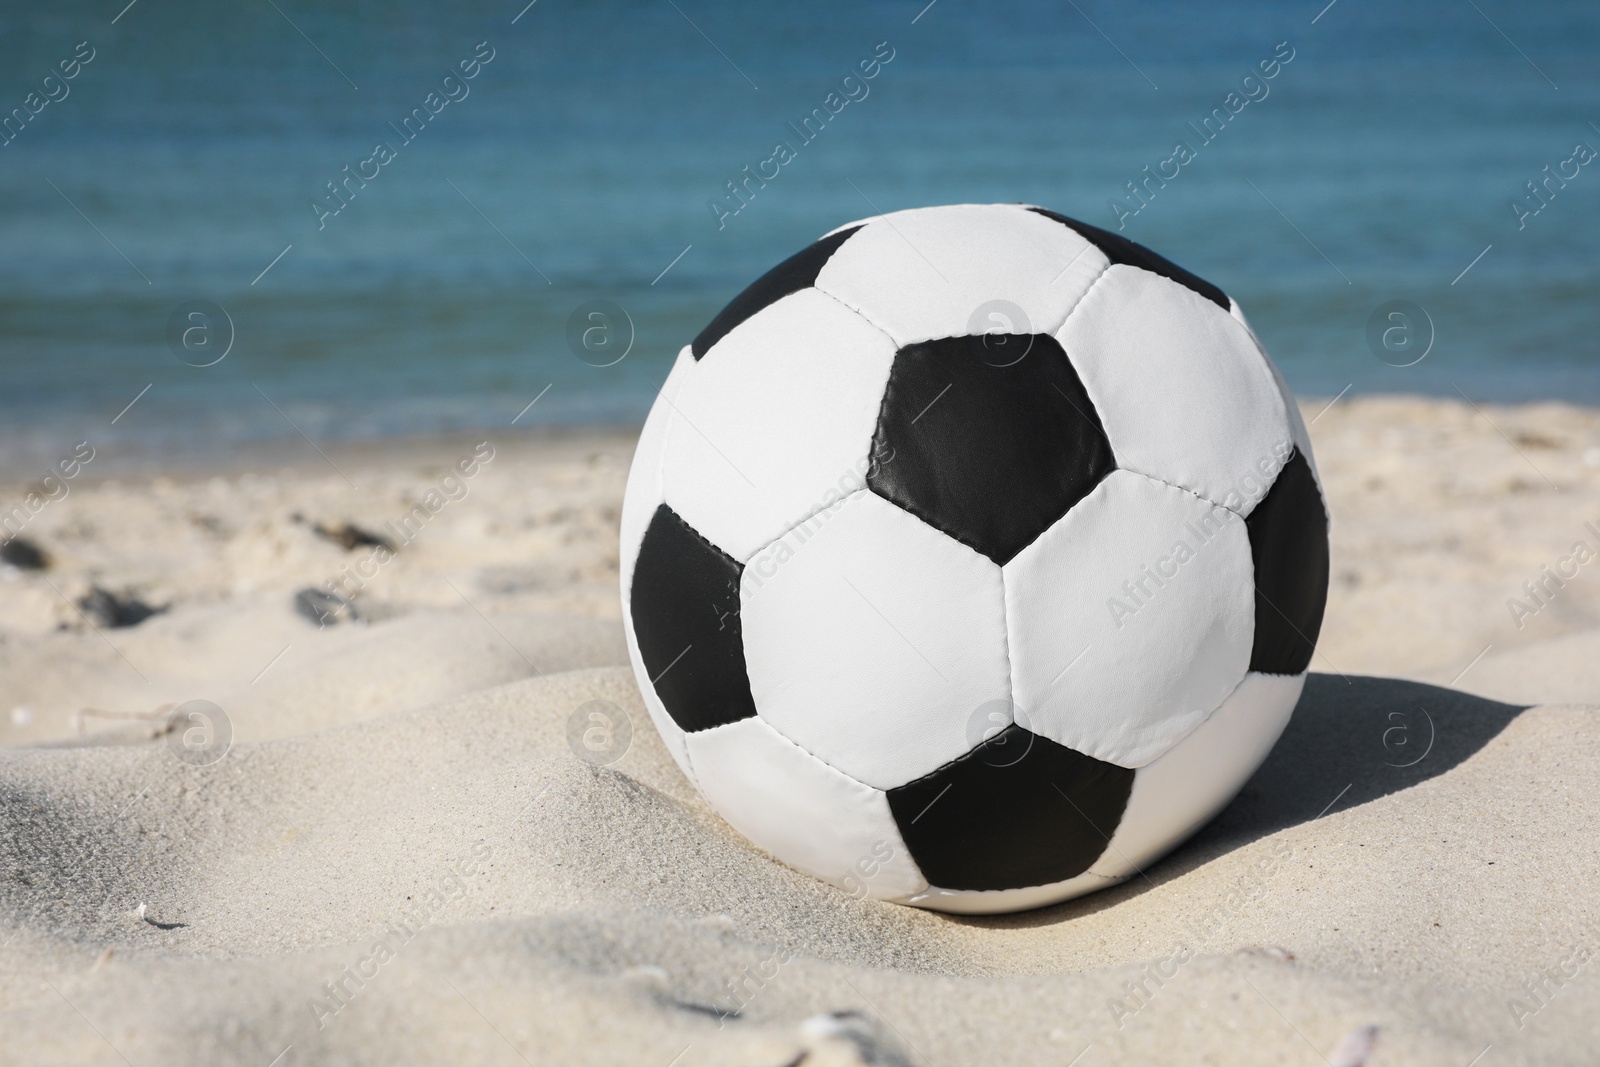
(797,272)
(1289,543)
(1119,249)
(1018,810)
(685,605)
(990,444)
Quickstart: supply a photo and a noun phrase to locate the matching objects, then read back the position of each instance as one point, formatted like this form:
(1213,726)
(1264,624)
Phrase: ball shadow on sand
(1352,740)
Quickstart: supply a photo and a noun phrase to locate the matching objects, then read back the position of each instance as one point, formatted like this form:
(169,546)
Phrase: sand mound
(418,885)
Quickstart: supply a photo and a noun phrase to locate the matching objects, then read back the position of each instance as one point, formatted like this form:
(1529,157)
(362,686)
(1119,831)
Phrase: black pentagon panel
(797,272)
(1119,249)
(1289,542)
(1018,810)
(987,445)
(685,604)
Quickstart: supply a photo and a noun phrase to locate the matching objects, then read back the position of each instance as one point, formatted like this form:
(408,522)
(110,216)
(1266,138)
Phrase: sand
(401,858)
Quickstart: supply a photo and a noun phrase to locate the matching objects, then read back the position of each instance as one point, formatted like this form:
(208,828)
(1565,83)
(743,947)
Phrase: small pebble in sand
(24,555)
(349,536)
(850,1037)
(325,608)
(110,611)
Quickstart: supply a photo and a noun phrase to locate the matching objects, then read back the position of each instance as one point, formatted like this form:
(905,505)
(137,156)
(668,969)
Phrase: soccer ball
(972,558)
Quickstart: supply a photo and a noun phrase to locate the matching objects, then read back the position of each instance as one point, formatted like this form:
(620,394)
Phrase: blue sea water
(582,160)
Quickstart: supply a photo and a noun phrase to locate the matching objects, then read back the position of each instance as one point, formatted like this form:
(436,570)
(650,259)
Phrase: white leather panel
(874,641)
(802,811)
(953,271)
(774,419)
(992,901)
(1182,391)
(1297,422)
(1184,789)
(1130,619)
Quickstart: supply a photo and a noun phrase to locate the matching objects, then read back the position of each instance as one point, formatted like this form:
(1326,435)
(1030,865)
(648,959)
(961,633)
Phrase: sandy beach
(403,852)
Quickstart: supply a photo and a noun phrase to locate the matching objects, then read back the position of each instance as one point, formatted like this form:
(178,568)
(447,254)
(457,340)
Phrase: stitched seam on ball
(912,509)
(905,849)
(718,549)
(1212,711)
(915,509)
(860,314)
(803,751)
(1081,298)
(1199,496)
(803,520)
(683,522)
(1207,717)
(1291,407)
(1150,477)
